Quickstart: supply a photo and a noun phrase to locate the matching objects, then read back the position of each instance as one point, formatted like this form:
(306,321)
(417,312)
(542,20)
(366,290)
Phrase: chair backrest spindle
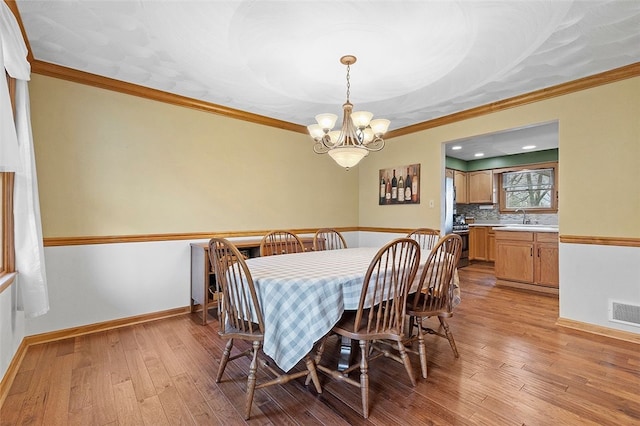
(328,239)
(280,242)
(426,237)
(385,287)
(437,275)
(239,307)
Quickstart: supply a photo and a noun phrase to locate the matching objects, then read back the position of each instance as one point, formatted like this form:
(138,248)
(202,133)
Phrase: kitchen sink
(529,227)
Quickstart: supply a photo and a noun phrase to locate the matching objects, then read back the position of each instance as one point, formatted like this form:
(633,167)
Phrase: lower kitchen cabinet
(482,243)
(546,262)
(491,245)
(527,257)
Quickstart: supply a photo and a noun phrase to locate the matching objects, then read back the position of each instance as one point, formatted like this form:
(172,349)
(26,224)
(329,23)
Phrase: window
(6,222)
(7,263)
(529,189)
(2,231)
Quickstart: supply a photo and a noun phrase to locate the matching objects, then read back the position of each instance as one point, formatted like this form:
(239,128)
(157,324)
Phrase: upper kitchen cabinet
(480,187)
(461,185)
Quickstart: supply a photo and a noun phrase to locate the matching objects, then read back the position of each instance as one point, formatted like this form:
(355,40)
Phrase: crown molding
(76,76)
(611,76)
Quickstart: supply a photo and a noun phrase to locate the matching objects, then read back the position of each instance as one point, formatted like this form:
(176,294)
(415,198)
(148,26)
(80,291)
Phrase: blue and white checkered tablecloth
(303,295)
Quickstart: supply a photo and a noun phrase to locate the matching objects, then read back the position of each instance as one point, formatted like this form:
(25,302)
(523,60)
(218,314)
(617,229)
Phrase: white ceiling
(540,136)
(416,60)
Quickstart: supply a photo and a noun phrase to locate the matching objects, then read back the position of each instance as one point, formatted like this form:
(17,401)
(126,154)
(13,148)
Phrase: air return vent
(624,313)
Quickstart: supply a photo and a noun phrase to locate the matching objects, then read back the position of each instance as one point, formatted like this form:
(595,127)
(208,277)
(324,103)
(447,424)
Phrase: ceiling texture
(417,60)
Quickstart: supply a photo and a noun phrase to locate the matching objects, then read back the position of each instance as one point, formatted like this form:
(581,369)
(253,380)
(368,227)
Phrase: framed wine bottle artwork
(399,185)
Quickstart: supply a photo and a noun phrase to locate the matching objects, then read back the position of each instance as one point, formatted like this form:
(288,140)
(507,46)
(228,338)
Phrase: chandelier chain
(348,82)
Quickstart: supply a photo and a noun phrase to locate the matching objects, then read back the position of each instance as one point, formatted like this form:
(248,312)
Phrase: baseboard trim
(102,326)
(530,287)
(12,371)
(37,339)
(627,336)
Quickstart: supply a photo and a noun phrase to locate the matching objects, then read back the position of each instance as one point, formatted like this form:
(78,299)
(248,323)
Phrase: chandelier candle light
(359,134)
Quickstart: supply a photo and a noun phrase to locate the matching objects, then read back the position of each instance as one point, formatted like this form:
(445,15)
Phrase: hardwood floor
(515,367)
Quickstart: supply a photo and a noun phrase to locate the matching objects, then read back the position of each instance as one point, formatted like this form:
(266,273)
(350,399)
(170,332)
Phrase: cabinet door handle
(538,251)
(531,252)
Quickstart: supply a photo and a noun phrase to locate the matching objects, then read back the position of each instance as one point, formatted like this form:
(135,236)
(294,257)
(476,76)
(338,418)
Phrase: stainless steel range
(461,228)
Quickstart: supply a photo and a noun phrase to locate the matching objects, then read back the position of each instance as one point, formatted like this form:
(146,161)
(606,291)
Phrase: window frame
(7,235)
(502,199)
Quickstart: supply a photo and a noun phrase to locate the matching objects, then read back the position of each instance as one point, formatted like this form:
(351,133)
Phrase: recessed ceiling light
(528,147)
(479,154)
(455,148)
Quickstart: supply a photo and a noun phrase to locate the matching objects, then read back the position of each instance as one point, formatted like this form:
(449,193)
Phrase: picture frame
(393,180)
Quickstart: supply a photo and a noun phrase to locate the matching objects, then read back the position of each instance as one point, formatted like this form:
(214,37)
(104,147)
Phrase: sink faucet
(524,216)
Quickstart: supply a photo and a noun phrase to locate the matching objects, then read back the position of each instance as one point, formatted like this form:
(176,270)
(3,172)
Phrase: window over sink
(531,188)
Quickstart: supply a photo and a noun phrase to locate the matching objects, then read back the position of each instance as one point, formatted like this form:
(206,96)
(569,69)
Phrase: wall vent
(624,313)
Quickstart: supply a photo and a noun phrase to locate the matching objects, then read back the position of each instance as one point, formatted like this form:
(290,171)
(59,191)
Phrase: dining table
(303,295)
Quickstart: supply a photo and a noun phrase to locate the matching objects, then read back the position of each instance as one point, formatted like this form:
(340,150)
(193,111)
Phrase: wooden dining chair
(434,296)
(426,237)
(280,242)
(328,239)
(380,313)
(241,318)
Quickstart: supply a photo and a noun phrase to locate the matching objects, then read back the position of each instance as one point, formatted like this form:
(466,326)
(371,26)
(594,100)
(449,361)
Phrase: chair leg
(407,363)
(412,323)
(251,380)
(449,335)
(422,349)
(224,359)
(364,378)
(313,373)
(316,361)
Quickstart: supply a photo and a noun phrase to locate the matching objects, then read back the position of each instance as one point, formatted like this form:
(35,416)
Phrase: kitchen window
(529,188)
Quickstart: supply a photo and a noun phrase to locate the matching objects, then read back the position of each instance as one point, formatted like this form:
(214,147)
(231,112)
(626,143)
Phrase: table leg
(347,348)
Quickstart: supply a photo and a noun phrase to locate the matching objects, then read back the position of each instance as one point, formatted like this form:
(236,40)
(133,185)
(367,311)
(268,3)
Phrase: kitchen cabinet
(461,187)
(480,187)
(527,257)
(204,291)
(478,242)
(482,243)
(546,260)
(491,245)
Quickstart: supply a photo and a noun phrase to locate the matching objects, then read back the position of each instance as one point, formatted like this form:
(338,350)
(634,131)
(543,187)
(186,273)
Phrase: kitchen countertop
(513,226)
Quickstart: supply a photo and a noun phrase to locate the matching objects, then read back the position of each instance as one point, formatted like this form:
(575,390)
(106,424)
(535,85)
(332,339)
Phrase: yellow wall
(599,155)
(113,164)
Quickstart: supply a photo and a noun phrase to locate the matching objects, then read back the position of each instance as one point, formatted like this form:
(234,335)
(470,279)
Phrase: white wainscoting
(11,327)
(592,275)
(90,284)
(376,239)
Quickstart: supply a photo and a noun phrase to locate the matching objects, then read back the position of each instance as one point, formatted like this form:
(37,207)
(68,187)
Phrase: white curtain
(17,155)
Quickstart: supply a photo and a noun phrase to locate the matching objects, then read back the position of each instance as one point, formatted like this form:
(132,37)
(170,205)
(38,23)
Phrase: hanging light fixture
(359,134)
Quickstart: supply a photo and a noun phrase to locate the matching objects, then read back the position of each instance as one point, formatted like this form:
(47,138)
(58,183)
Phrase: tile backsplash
(493,215)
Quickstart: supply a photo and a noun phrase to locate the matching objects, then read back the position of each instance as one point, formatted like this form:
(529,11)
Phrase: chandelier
(359,134)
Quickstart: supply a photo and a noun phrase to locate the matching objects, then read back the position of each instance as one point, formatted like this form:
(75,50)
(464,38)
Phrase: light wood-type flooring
(516,367)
